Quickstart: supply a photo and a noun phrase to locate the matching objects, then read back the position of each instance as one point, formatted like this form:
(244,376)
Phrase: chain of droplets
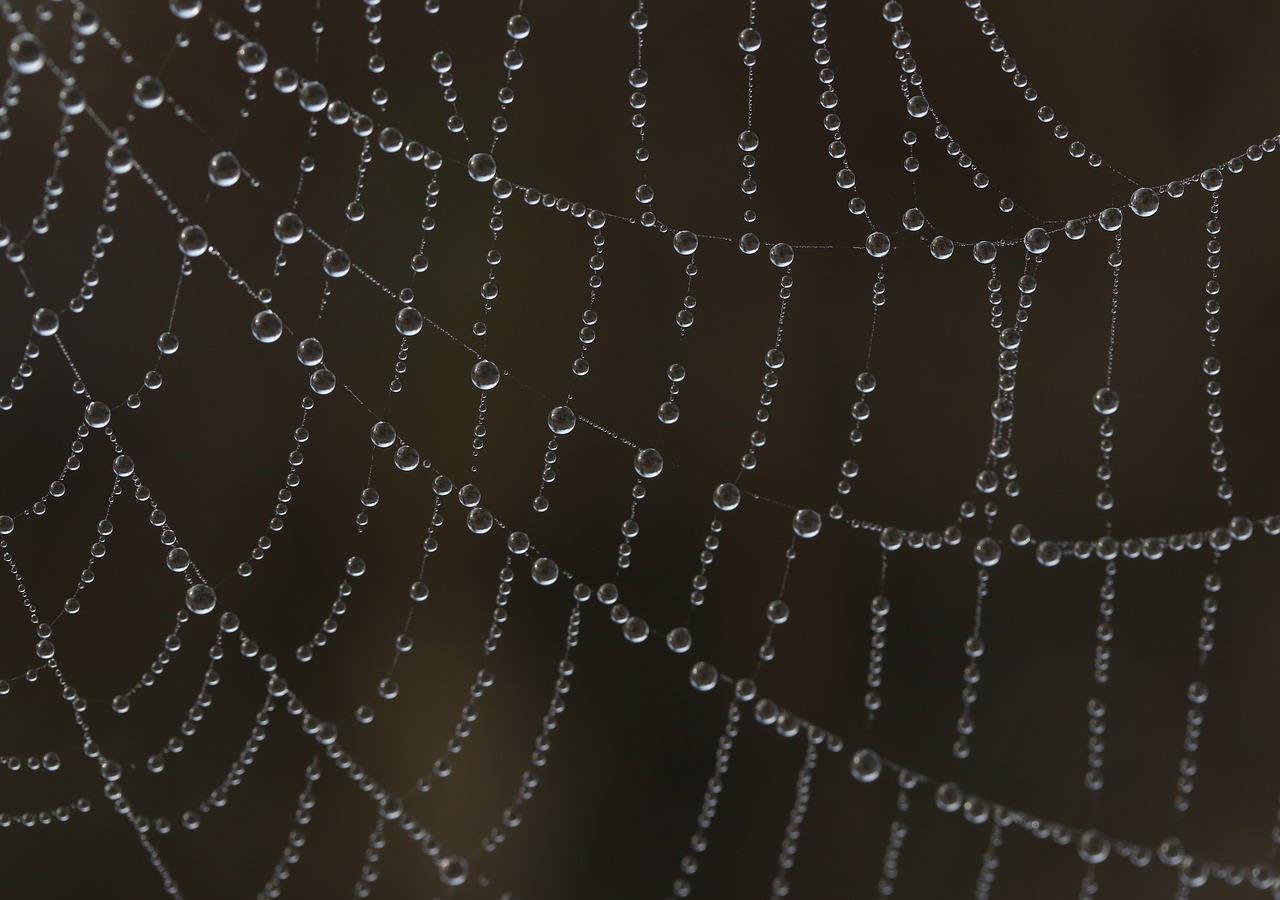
(372,855)
(749,42)
(987,550)
(682,886)
(195,712)
(1240,527)
(297,838)
(918,107)
(1212,307)
(990,862)
(199,238)
(45,321)
(727,496)
(482,167)
(791,840)
(1092,845)
(223,32)
(111,786)
(409,320)
(44,762)
(865,384)
(50,816)
(53,185)
(377,62)
(518,29)
(44,647)
(898,830)
(442,767)
(648,462)
(191,819)
(705,677)
(1105,403)
(638,79)
(355,567)
(453,870)
(1045,114)
(877,243)
(561,420)
(383,435)
(806,523)
(57,489)
(512,816)
(43,644)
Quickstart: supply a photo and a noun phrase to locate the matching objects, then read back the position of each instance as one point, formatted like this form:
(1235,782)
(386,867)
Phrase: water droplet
(485,375)
(44,322)
(267,327)
(480,520)
(409,321)
(337,263)
(545,571)
(482,167)
(942,247)
(310,352)
(648,463)
(1211,179)
(453,870)
(288,228)
(201,599)
(251,57)
(986,552)
(97,414)
(635,629)
(807,523)
(1106,401)
(679,640)
(1094,846)
(1111,219)
(749,40)
(685,242)
(26,53)
(781,255)
(561,420)
(193,241)
(1048,553)
(148,92)
(185,9)
(878,244)
(224,169)
(1144,202)
(703,676)
(865,765)
(949,797)
(727,497)
(1036,241)
(518,27)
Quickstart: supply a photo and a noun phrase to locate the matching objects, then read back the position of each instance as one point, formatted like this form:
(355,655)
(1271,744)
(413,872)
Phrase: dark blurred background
(1162,90)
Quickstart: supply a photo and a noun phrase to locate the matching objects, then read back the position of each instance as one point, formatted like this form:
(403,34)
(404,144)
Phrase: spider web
(465,451)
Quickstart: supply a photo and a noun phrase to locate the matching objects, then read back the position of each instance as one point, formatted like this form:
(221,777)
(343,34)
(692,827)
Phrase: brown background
(1162,90)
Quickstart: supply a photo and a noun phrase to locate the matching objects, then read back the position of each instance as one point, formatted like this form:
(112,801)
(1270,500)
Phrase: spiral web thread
(53,43)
